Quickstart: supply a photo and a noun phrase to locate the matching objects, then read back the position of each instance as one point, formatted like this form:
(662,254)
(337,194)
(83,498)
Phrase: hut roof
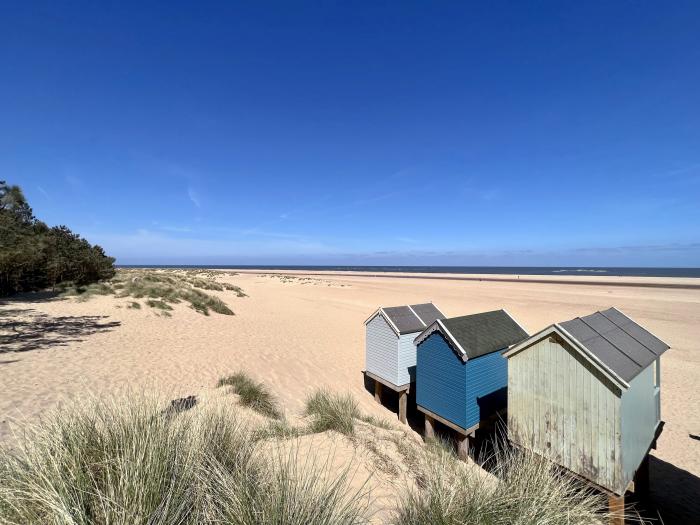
(478,334)
(610,340)
(410,318)
(621,344)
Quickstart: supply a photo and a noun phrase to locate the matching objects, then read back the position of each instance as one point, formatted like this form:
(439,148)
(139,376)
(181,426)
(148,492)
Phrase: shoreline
(676,283)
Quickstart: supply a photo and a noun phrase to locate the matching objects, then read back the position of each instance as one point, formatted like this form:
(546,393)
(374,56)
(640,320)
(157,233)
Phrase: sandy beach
(303,332)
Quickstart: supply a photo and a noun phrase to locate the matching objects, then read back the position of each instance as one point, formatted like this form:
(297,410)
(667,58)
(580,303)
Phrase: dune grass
(526,490)
(163,288)
(123,462)
(332,411)
(252,394)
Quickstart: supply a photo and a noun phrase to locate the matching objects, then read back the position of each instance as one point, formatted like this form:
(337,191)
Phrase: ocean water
(495,270)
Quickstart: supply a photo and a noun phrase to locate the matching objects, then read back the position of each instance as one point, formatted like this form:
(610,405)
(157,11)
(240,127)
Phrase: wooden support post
(463,447)
(403,403)
(641,478)
(616,508)
(429,427)
(378,392)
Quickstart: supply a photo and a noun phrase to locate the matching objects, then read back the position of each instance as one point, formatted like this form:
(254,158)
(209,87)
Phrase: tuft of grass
(252,394)
(331,411)
(122,461)
(377,422)
(278,429)
(85,292)
(134,305)
(160,305)
(528,491)
(162,287)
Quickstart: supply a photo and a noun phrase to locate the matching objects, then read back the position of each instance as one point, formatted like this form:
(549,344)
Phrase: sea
(494,270)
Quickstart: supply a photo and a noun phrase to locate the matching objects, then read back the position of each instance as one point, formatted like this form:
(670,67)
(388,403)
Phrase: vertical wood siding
(441,380)
(407,359)
(381,350)
(487,382)
(561,407)
(639,419)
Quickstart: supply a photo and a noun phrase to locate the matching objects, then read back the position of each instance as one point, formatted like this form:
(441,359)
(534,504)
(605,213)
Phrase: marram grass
(332,411)
(162,288)
(125,462)
(252,394)
(526,490)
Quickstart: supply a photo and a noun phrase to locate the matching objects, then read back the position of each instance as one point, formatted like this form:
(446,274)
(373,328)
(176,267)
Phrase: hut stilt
(616,507)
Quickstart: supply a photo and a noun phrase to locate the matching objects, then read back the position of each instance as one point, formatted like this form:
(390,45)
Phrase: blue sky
(503,133)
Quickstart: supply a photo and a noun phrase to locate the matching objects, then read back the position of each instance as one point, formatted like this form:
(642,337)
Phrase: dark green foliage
(35,257)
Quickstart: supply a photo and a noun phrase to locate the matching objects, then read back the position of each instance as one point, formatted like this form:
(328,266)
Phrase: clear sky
(496,133)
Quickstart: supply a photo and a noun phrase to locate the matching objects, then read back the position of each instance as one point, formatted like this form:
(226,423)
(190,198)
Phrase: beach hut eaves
(611,339)
(478,334)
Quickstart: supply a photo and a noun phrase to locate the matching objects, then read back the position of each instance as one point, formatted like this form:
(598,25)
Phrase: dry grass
(126,461)
(331,411)
(123,462)
(526,490)
(252,394)
(163,288)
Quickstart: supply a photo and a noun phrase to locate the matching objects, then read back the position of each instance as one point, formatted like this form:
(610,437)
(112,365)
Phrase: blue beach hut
(461,376)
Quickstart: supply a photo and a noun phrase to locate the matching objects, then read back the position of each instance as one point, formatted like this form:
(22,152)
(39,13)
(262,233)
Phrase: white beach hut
(390,355)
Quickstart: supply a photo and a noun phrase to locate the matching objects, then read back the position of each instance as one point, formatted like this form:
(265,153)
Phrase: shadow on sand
(25,329)
(674,494)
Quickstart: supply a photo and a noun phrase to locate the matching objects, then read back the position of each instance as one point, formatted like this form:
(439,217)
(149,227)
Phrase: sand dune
(302,333)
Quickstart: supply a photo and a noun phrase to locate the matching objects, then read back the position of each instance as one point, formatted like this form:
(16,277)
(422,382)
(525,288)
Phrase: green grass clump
(162,288)
(252,394)
(528,491)
(160,305)
(134,305)
(85,292)
(330,411)
(125,462)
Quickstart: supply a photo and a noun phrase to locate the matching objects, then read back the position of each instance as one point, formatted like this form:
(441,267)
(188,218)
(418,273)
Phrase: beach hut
(461,376)
(390,354)
(585,394)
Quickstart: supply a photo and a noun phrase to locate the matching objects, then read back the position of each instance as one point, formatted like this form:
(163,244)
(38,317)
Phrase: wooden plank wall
(561,407)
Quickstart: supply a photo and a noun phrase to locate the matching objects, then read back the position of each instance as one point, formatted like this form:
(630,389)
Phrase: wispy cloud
(43,192)
(74,182)
(176,229)
(194,197)
(145,244)
(407,240)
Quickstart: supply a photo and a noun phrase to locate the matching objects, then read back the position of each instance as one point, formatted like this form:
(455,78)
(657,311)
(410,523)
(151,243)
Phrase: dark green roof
(484,333)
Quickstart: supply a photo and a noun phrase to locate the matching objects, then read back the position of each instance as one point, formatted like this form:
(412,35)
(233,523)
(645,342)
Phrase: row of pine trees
(34,256)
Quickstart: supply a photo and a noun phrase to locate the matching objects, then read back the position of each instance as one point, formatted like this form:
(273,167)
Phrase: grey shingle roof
(404,319)
(618,342)
(428,312)
(414,318)
(481,334)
